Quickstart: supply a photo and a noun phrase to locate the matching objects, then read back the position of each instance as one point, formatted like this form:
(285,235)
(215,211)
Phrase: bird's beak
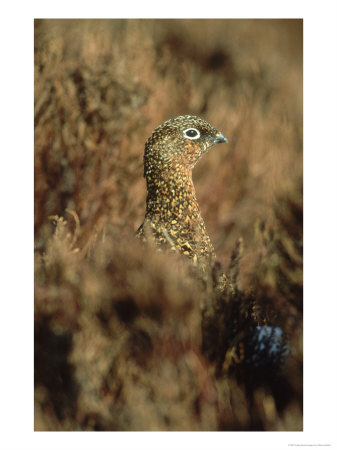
(219,137)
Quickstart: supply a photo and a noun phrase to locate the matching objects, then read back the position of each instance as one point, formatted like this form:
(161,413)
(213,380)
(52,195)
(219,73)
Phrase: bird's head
(179,143)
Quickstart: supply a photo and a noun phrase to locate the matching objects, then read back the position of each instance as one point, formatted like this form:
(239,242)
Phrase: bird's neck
(171,195)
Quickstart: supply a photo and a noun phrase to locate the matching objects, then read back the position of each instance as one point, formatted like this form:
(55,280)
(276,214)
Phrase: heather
(129,338)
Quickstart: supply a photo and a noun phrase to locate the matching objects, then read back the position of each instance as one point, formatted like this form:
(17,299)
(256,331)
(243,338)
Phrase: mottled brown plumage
(173,215)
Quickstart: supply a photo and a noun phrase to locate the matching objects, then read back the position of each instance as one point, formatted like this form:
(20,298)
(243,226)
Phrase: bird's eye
(191,133)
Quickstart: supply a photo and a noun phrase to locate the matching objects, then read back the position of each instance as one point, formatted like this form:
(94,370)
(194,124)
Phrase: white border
(320,122)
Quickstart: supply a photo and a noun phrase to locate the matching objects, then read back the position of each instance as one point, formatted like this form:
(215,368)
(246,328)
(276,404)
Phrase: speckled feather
(173,215)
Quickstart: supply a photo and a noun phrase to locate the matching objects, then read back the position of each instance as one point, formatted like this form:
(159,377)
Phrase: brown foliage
(125,337)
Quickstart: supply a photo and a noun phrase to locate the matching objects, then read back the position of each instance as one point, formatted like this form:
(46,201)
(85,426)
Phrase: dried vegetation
(126,338)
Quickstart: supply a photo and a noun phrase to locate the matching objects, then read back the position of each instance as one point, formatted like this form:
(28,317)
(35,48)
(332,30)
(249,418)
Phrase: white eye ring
(191,133)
